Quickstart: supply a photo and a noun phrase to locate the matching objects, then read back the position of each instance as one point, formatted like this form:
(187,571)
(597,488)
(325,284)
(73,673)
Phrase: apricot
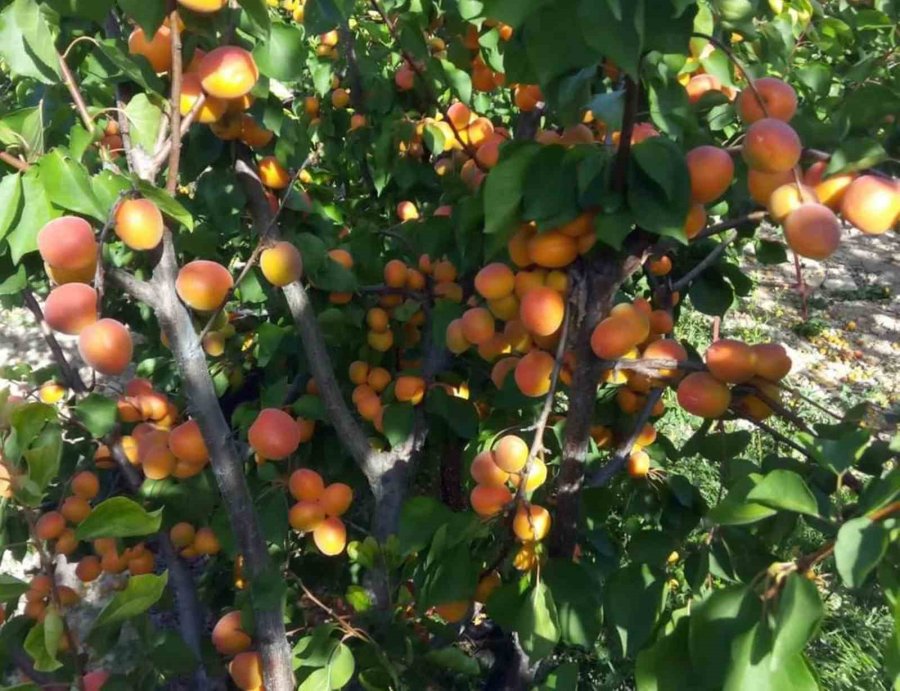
(660,265)
(444,271)
(872,204)
(787,198)
(703,395)
(272,174)
(517,246)
(614,336)
(336,499)
(139,224)
(486,586)
(772,361)
(212,108)
(761,185)
(281,264)
(552,250)
(49,526)
(510,453)
(330,536)
(638,464)
(203,6)
(378,319)
(477,325)
(370,408)
(187,444)
(182,534)
(700,84)
(228,637)
(305,516)
(340,98)
(246,671)
(813,231)
(63,276)
(67,243)
(504,308)
(227,72)
(536,477)
(70,308)
(156,459)
(666,349)
(157,50)
(88,569)
(358,372)
(410,389)
(487,500)
(253,134)
(67,596)
(395,273)
(206,542)
(452,612)
(731,361)
(526,281)
(771,146)
(526,558)
(661,322)
(542,311)
(203,285)
(106,346)
(342,257)
(695,221)
(602,436)
(404,78)
(228,128)
(305,484)
(779,101)
(142,564)
(274,434)
(486,472)
(533,372)
(381,342)
(495,281)
(527,97)
(531,523)
(75,509)
(94,680)
(711,171)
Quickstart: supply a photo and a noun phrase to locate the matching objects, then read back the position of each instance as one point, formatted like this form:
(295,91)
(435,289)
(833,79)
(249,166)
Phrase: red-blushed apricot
(531,523)
(703,395)
(409,389)
(227,72)
(157,50)
(452,612)
(153,405)
(138,386)
(731,361)
(552,250)
(772,361)
(330,536)
(272,174)
(206,542)
(699,84)
(94,680)
(113,562)
(305,484)
(36,610)
(788,197)
(527,97)
(370,408)
(486,472)
(281,264)
(75,509)
(779,101)
(404,78)
(501,370)
(70,308)
(85,484)
(813,231)
(638,464)
(88,569)
(510,453)
(211,109)
(274,434)
(67,243)
(336,499)
(182,534)
(49,526)
(253,134)
(488,500)
(62,276)
(711,170)
(614,336)
(761,184)
(106,346)
(477,325)
(532,373)
(695,221)
(666,349)
(542,311)
(305,516)
(128,410)
(660,265)
(228,637)
(495,281)
(187,444)
(661,322)
(203,285)
(246,671)
(872,204)
(771,146)
(67,596)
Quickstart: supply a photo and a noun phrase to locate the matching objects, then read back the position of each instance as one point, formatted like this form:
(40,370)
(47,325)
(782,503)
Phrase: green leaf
(459,414)
(121,66)
(613,228)
(459,80)
(36,646)
(563,678)
(53,630)
(619,38)
(44,456)
(36,213)
(785,490)
(720,447)
(398,422)
(861,543)
(855,154)
(666,665)
(609,107)
(26,42)
(512,12)
(659,208)
(838,455)
(68,185)
(358,598)
(167,204)
(283,55)
(10,197)
(634,597)
(95,10)
(420,517)
(258,15)
(147,15)
(538,623)
(11,587)
(770,252)
(550,200)
(735,509)
(119,517)
(453,659)
(800,611)
(752,668)
(577,599)
(97,413)
(503,188)
(140,594)
(714,623)
(662,161)
(29,419)
(335,674)
(670,108)
(711,294)
(145,119)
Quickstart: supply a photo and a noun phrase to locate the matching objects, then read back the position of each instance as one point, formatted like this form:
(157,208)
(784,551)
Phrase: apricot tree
(381,377)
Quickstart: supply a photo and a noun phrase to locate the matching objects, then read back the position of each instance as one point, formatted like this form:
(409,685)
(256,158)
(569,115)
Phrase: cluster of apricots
(231,640)
(371,383)
(318,509)
(275,435)
(55,525)
(192,542)
(40,596)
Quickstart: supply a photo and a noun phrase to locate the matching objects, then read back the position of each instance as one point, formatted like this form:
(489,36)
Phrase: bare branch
(135,287)
(11,160)
(620,174)
(75,93)
(704,264)
(728,224)
(175,105)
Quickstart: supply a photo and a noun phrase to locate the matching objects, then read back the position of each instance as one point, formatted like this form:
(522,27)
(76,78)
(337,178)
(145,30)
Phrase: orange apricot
(452,612)
(761,184)
(501,370)
(182,534)
(203,6)
(711,171)
(305,516)
(404,78)
(695,221)
(50,525)
(407,211)
(253,134)
(813,231)
(281,264)
(305,484)
(211,109)
(731,361)
(342,257)
(638,464)
(614,336)
(139,224)
(486,586)
(666,349)
(358,372)
(88,569)
(531,523)
(779,101)
(661,322)
(70,308)
(227,72)
(187,444)
(85,484)
(410,389)
(75,509)
(771,146)
(528,280)
(532,373)
(157,50)
(63,276)
(495,281)
(395,273)
(143,563)
(552,250)
(203,285)
(330,536)
(487,500)
(772,361)
(274,434)
(246,671)
(206,542)
(542,311)
(477,325)
(106,346)
(272,174)
(504,308)
(702,394)
(517,246)
(228,637)
(788,197)
(381,342)
(485,471)
(872,204)
(660,265)
(536,477)
(157,461)
(510,453)
(527,97)
(67,243)
(336,499)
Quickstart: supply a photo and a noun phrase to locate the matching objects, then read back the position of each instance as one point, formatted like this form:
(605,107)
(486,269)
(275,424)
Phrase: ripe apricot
(761,184)
(779,101)
(50,525)
(872,204)
(487,500)
(330,536)
(532,373)
(404,78)
(70,308)
(772,361)
(67,243)
(695,221)
(702,394)
(452,612)
(527,97)
(305,484)
(410,389)
(273,434)
(227,72)
(342,257)
(486,586)
(157,50)
(380,342)
(336,499)
(272,174)
(504,308)
(378,379)
(142,563)
(552,250)
(831,191)
(228,128)
(358,372)
(813,231)
(495,281)
(699,84)
(395,273)
(638,464)
(88,569)
(106,346)
(157,461)
(139,224)
(788,197)
(212,108)
(731,361)
(711,171)
(203,285)
(94,680)
(526,281)
(501,370)
(517,246)
(660,265)
(526,558)
(477,325)
(531,523)
(510,453)
(542,311)
(536,477)
(305,516)
(661,322)
(203,6)
(771,146)
(246,671)
(253,134)
(85,484)
(281,264)
(517,336)
(63,276)
(52,392)
(187,444)
(228,637)
(75,509)
(486,472)
(182,534)
(666,349)
(614,336)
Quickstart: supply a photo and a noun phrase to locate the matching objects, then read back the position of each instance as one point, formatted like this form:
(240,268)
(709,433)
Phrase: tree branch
(75,93)
(69,374)
(620,172)
(175,105)
(14,162)
(704,263)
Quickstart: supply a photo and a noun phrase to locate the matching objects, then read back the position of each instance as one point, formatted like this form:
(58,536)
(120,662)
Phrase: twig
(704,263)
(175,148)
(11,160)
(135,287)
(101,241)
(159,158)
(69,374)
(715,229)
(75,93)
